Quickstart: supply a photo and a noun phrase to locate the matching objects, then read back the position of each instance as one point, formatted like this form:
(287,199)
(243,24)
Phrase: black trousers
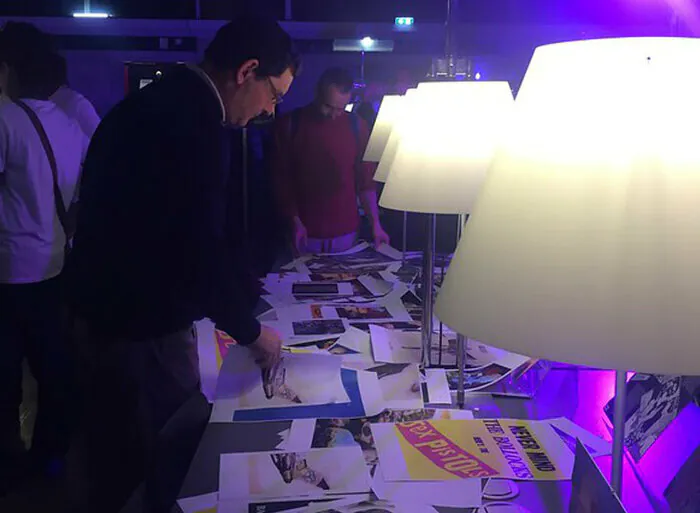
(135,388)
(32,326)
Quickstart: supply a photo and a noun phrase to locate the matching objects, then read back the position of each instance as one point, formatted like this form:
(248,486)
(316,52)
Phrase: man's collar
(203,74)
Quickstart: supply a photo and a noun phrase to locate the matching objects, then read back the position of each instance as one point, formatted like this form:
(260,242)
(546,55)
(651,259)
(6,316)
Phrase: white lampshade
(392,144)
(446,142)
(388,110)
(584,244)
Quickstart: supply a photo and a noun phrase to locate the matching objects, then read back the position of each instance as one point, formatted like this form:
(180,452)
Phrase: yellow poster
(440,450)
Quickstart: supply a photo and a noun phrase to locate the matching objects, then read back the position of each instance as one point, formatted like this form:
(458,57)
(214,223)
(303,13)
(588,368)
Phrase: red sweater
(316,172)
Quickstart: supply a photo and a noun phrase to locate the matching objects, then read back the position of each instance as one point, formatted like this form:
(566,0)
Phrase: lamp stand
(403,239)
(428,266)
(461,339)
(619,432)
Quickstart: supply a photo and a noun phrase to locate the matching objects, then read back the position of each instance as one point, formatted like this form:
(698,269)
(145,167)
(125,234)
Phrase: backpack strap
(355,127)
(58,196)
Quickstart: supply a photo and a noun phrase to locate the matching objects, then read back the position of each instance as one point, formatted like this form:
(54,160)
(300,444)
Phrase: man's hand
(300,235)
(380,236)
(266,349)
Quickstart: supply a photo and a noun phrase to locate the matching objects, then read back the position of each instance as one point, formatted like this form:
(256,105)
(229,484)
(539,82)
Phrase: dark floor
(42,495)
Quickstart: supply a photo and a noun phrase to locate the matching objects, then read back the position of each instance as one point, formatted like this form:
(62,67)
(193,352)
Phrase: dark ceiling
(479,11)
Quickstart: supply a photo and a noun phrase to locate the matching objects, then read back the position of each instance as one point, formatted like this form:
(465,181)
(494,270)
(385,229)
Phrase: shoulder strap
(58,197)
(355,127)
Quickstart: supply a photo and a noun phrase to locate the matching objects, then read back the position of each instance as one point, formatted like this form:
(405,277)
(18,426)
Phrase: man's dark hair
(26,50)
(252,37)
(338,77)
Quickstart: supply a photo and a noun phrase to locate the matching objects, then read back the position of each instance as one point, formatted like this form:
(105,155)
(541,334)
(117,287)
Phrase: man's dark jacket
(158,244)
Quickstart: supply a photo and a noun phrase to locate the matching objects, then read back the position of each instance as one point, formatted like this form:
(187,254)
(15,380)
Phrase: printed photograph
(292,382)
(342,350)
(280,506)
(314,288)
(475,379)
(398,381)
(356,313)
(318,327)
(336,276)
(323,345)
(359,290)
(374,506)
(351,432)
(653,401)
(292,475)
(392,325)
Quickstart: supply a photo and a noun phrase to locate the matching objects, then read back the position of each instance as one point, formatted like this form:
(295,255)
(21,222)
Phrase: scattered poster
(362,389)
(434,387)
(300,506)
(400,383)
(358,431)
(653,401)
(442,450)
(317,472)
(590,491)
(465,493)
(572,434)
(369,506)
(293,382)
(206,503)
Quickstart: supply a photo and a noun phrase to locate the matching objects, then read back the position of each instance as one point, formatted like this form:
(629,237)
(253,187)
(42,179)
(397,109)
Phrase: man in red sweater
(319,173)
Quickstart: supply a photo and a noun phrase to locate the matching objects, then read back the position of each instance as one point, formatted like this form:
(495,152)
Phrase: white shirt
(78,108)
(31,237)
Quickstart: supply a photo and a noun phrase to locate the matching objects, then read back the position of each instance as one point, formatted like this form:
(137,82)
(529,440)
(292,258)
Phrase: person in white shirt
(32,241)
(74,104)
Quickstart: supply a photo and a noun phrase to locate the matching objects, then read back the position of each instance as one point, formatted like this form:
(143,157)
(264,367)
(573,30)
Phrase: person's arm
(367,190)
(283,181)
(204,180)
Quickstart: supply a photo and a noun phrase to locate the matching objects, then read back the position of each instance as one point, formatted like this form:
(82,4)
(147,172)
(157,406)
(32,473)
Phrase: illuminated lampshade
(446,142)
(584,243)
(392,144)
(388,111)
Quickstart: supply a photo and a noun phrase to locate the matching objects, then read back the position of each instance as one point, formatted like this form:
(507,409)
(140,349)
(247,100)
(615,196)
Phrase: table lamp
(584,243)
(445,141)
(388,111)
(392,143)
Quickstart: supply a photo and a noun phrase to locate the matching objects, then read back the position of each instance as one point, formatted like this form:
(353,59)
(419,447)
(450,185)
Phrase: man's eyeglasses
(277,97)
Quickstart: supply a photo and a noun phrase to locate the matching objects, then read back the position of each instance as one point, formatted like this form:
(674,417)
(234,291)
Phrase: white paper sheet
(393,346)
(295,384)
(596,446)
(357,340)
(352,505)
(200,504)
(315,473)
(208,363)
(389,251)
(448,494)
(438,391)
(399,383)
(376,287)
(287,506)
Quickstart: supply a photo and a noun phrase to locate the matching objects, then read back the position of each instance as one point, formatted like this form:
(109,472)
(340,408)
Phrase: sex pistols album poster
(438,450)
